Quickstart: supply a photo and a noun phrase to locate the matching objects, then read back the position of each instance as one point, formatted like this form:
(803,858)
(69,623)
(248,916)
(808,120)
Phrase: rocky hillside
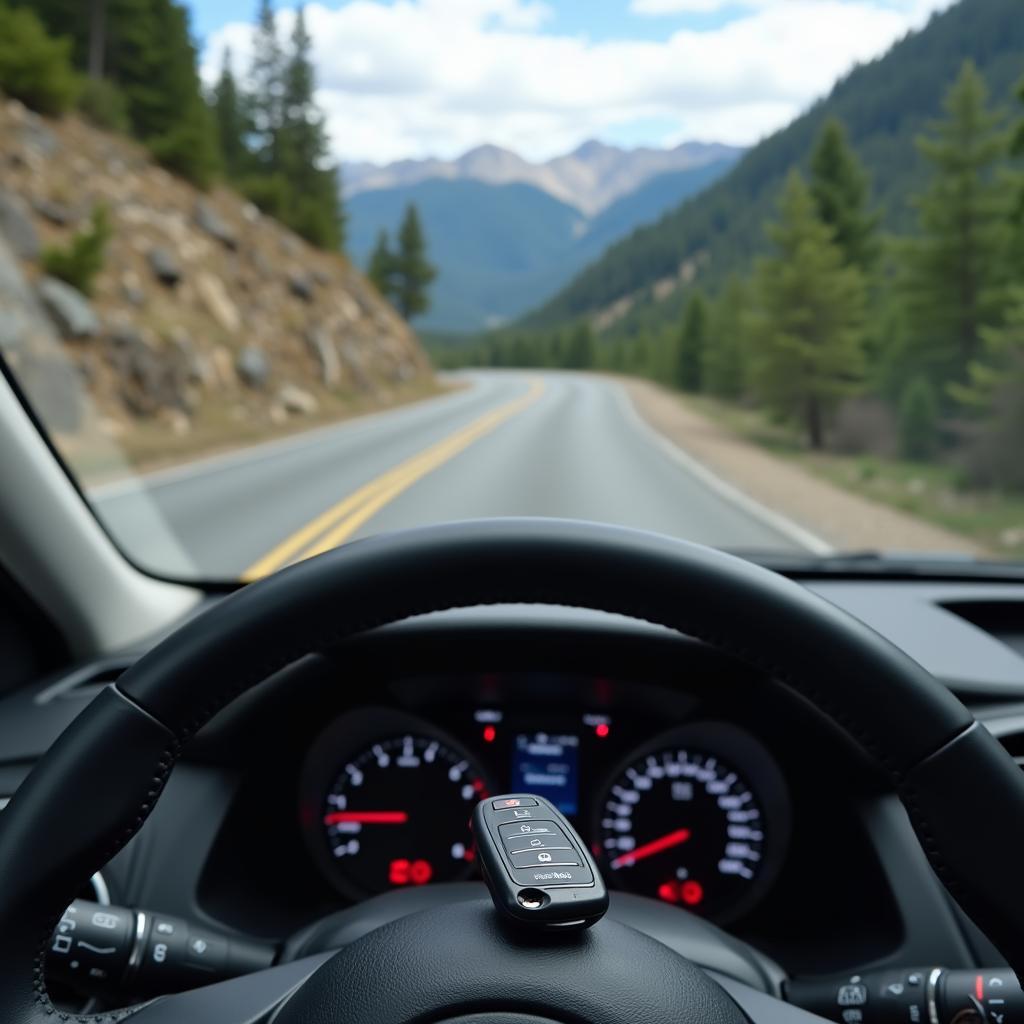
(209,322)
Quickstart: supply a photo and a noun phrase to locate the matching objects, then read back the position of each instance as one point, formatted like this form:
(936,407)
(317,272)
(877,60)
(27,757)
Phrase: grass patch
(931,491)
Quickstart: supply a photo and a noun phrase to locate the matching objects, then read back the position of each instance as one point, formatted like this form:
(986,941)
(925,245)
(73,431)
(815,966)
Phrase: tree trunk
(815,426)
(97,36)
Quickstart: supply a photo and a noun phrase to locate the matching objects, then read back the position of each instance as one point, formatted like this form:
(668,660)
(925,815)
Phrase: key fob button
(513,801)
(564,856)
(521,844)
(529,829)
(517,814)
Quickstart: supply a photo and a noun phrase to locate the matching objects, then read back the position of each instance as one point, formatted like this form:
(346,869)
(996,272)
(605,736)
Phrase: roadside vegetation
(81,259)
(131,66)
(887,357)
(404,273)
(933,491)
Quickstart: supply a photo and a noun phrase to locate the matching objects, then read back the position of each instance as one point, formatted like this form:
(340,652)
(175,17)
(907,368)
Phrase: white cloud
(435,77)
(913,9)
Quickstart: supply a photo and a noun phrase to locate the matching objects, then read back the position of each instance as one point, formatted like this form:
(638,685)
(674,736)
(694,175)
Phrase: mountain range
(635,287)
(590,178)
(505,233)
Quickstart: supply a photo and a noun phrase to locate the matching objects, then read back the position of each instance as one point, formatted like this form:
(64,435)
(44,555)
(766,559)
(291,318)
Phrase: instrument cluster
(696,815)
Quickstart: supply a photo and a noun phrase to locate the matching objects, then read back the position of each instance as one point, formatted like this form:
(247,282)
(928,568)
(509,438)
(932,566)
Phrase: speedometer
(391,811)
(698,819)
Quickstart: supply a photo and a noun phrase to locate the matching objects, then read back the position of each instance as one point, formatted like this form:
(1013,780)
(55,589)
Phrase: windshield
(274,277)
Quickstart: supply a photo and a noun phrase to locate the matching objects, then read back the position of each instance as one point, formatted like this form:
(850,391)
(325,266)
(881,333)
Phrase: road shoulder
(846,521)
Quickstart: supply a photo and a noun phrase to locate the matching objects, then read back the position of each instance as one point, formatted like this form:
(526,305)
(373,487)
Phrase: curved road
(540,444)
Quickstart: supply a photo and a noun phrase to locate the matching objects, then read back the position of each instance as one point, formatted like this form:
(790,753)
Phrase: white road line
(794,531)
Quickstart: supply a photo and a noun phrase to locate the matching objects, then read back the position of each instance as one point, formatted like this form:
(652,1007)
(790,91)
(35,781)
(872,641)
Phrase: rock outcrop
(205,310)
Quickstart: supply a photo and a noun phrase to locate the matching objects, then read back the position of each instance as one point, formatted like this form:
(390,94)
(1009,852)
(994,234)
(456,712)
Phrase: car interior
(843,744)
(609,653)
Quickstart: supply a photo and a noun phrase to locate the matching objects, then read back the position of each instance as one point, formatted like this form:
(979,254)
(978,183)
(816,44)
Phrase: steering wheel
(456,961)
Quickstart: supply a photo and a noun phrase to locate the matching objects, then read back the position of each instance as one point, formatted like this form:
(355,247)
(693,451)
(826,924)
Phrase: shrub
(864,425)
(82,259)
(268,192)
(992,458)
(189,148)
(34,67)
(308,219)
(918,419)
(104,104)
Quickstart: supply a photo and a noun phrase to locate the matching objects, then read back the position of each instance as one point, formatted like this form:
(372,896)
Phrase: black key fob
(535,865)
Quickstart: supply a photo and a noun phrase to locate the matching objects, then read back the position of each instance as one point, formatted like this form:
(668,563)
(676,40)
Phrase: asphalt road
(538,444)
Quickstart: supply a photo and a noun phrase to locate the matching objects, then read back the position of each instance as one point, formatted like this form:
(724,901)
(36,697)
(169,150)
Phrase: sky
(405,79)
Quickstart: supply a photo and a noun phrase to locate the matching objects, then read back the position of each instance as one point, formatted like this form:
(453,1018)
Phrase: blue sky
(417,78)
(597,19)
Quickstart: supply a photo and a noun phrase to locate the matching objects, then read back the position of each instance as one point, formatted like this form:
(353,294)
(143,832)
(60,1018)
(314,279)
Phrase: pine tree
(954,282)
(300,142)
(68,19)
(691,344)
(230,119)
(301,148)
(918,419)
(806,335)
(145,50)
(1016,178)
(97,37)
(579,349)
(151,58)
(413,272)
(34,67)
(381,268)
(1017,142)
(723,370)
(993,400)
(266,87)
(1001,348)
(840,189)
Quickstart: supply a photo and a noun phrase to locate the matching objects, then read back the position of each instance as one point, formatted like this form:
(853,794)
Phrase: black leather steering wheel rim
(964,794)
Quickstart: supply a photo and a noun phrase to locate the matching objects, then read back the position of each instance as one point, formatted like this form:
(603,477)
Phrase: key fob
(536,867)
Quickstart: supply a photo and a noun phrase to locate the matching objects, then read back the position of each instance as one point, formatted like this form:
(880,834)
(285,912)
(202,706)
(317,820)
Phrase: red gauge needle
(367,817)
(650,849)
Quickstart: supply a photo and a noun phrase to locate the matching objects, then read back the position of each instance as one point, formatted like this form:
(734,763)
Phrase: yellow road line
(339,522)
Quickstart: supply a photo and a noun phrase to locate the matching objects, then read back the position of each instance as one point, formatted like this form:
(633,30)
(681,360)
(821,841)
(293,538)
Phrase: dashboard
(695,780)
(696,815)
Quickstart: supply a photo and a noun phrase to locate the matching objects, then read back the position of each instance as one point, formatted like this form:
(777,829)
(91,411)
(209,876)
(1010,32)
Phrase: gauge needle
(650,849)
(367,817)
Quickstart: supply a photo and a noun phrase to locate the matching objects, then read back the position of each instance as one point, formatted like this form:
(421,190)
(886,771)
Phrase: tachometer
(687,820)
(395,810)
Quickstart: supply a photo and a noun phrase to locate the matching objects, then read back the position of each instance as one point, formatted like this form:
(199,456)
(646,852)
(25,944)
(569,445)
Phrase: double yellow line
(339,522)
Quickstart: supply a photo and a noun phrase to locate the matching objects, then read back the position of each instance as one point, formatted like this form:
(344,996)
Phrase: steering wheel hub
(457,960)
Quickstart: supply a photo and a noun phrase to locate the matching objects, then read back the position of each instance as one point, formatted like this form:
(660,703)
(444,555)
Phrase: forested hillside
(855,287)
(884,106)
(130,66)
(500,249)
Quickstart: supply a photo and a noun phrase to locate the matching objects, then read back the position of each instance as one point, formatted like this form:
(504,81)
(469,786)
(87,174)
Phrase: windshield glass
(275,277)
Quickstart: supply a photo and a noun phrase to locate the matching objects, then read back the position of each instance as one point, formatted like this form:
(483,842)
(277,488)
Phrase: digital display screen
(548,764)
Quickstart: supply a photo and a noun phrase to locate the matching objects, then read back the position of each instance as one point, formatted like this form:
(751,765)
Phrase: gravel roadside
(844,520)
